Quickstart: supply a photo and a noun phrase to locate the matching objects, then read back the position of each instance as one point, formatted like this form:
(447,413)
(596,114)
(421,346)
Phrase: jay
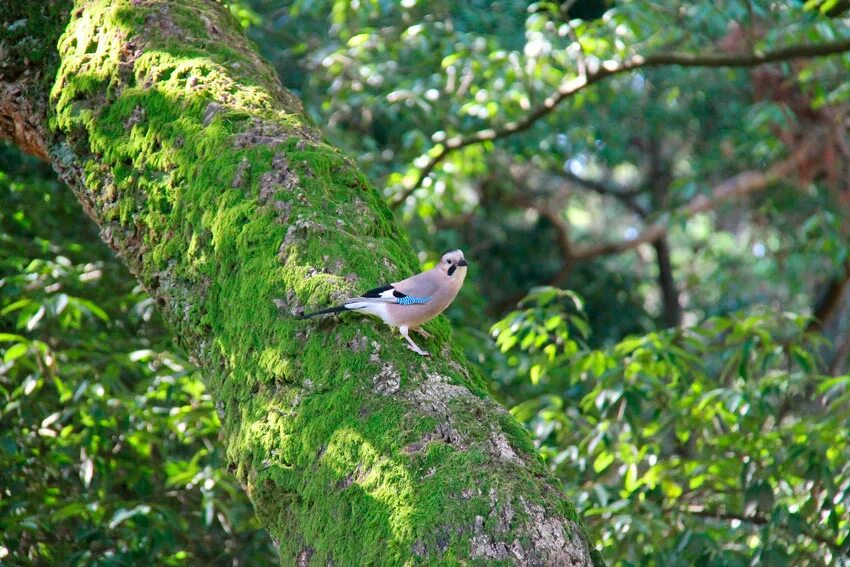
(410,303)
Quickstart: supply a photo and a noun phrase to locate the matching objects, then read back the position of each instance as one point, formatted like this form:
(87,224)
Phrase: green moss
(180,145)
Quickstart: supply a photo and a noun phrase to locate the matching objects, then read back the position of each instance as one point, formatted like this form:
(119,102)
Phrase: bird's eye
(449,261)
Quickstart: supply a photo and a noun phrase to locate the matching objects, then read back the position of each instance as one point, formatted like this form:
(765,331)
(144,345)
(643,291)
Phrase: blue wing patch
(410,300)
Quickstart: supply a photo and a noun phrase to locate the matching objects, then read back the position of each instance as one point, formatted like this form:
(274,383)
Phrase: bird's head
(453,264)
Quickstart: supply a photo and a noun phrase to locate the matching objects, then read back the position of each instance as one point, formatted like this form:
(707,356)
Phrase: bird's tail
(336,309)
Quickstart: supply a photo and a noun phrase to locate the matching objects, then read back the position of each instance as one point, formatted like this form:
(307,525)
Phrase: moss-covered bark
(208,181)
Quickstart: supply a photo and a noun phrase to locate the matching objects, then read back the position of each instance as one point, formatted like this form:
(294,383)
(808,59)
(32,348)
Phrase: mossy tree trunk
(207,180)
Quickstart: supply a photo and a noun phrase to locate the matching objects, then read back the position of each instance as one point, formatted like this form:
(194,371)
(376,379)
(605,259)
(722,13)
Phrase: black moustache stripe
(452,270)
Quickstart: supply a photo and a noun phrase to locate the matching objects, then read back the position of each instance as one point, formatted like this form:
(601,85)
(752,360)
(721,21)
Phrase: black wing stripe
(377,291)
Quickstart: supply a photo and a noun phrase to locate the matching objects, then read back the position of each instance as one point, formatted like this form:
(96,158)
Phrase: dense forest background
(658,284)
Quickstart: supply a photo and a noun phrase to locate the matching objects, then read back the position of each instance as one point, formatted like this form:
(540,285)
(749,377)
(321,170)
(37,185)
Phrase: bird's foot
(418,350)
(425,334)
(404,330)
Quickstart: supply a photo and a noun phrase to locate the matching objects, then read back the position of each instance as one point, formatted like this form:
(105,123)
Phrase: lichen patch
(388,381)
(281,176)
(261,133)
(502,448)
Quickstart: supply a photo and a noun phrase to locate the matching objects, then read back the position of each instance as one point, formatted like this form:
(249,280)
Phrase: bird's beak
(462,263)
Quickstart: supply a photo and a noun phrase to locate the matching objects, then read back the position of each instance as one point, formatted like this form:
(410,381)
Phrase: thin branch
(756,520)
(562,229)
(562,239)
(751,42)
(609,68)
(626,196)
(581,57)
(746,59)
(734,187)
(672,312)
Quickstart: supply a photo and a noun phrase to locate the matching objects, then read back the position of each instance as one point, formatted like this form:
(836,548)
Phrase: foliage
(713,445)
(108,440)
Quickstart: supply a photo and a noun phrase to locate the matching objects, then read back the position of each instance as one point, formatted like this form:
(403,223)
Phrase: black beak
(462,263)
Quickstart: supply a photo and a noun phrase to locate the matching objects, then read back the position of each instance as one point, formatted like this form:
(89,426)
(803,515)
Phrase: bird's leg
(425,334)
(412,346)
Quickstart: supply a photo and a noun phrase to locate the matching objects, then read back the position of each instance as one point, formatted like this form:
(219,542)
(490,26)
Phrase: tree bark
(830,300)
(672,309)
(207,180)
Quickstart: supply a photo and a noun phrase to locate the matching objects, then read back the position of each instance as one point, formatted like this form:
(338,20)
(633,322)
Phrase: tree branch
(734,187)
(562,240)
(672,312)
(626,196)
(609,68)
(562,231)
(756,520)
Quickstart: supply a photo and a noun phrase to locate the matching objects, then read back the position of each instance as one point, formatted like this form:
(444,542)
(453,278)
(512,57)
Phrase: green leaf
(123,514)
(69,511)
(19,304)
(10,337)
(630,482)
(15,351)
(536,373)
(602,461)
(92,308)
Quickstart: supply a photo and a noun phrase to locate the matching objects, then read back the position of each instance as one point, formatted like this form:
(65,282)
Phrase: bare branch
(625,195)
(672,312)
(581,57)
(734,187)
(609,68)
(562,239)
(746,59)
(755,520)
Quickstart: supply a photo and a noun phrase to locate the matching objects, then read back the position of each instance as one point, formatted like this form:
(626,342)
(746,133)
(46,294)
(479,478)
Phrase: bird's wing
(412,291)
(425,284)
(384,293)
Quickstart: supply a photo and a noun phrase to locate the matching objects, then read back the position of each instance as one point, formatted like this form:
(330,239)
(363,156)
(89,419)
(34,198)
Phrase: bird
(411,302)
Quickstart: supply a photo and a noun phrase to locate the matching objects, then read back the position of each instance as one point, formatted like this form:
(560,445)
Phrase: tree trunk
(207,180)
(672,309)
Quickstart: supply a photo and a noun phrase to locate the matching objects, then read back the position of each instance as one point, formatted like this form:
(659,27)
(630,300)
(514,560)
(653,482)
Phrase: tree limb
(672,312)
(734,187)
(755,520)
(626,196)
(609,68)
(737,186)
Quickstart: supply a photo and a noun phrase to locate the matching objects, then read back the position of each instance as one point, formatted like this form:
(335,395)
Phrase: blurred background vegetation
(690,389)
